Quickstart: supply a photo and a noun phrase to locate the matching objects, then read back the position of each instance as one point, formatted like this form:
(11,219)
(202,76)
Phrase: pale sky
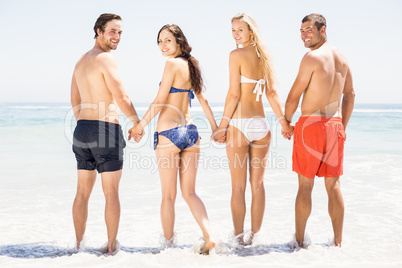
(42,41)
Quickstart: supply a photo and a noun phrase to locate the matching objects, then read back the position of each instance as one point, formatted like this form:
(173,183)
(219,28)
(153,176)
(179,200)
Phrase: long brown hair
(266,61)
(193,66)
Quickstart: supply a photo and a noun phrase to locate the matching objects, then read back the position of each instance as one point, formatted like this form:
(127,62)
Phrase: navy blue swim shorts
(98,144)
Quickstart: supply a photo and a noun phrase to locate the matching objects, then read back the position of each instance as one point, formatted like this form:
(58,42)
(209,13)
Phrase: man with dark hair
(102,20)
(318,19)
(96,91)
(319,135)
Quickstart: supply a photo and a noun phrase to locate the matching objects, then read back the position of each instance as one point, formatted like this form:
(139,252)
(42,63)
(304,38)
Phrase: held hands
(287,130)
(287,127)
(136,132)
(219,135)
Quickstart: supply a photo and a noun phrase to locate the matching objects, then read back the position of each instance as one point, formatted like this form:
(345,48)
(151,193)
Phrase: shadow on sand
(47,250)
(35,250)
(246,251)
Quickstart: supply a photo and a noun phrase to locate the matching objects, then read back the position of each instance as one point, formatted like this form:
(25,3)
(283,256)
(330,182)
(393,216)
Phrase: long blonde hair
(266,61)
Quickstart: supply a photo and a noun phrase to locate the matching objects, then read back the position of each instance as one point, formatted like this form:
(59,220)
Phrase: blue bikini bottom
(183,137)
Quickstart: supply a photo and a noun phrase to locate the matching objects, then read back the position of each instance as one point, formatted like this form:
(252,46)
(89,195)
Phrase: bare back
(325,88)
(175,111)
(249,66)
(97,102)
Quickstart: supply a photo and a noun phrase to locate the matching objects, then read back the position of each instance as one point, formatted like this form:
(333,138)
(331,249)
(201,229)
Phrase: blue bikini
(184,136)
(177,90)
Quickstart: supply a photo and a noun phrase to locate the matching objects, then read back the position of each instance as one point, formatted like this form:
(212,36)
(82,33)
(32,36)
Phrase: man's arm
(75,98)
(113,82)
(301,83)
(348,99)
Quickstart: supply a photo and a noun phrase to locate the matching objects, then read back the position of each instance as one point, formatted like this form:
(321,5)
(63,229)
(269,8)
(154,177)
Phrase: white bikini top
(258,85)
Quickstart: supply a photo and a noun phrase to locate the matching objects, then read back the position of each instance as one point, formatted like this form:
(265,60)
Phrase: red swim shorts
(318,146)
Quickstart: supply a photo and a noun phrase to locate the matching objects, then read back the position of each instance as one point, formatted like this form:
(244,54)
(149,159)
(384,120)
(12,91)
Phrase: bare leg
(303,206)
(336,207)
(86,181)
(258,162)
(110,186)
(188,172)
(237,150)
(168,165)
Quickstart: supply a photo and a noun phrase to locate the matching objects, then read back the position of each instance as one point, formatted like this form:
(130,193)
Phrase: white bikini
(253,128)
(258,85)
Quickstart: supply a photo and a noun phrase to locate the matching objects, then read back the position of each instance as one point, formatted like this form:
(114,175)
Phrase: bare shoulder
(311,59)
(81,59)
(236,55)
(312,56)
(105,57)
(174,63)
(105,61)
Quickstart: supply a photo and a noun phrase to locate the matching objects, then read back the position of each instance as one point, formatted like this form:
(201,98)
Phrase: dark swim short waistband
(313,119)
(97,122)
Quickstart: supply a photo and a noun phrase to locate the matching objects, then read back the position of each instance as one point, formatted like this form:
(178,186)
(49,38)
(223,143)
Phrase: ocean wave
(38,107)
(377,111)
(221,109)
(193,109)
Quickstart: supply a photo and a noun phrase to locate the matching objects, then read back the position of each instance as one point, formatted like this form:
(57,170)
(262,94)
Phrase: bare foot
(207,247)
(79,244)
(249,241)
(239,239)
(167,243)
(113,248)
(337,244)
(294,244)
(245,239)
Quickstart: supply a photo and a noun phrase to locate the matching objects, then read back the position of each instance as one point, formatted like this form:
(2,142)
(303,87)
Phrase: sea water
(38,184)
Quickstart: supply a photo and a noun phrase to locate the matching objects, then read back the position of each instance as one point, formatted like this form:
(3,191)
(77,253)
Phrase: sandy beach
(38,184)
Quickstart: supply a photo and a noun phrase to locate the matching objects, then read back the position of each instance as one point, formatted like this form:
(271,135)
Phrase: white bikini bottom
(253,128)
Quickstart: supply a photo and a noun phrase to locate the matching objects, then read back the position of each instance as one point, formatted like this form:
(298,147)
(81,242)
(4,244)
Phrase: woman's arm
(273,99)
(233,95)
(159,102)
(208,111)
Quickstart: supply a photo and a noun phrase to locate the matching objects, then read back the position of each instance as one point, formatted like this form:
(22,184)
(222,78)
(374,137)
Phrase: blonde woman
(244,124)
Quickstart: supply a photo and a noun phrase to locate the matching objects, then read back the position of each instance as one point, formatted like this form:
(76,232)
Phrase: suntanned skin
(96,87)
(173,112)
(96,91)
(325,80)
(241,103)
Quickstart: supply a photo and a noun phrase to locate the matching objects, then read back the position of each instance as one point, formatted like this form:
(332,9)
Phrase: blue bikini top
(178,90)
(190,93)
